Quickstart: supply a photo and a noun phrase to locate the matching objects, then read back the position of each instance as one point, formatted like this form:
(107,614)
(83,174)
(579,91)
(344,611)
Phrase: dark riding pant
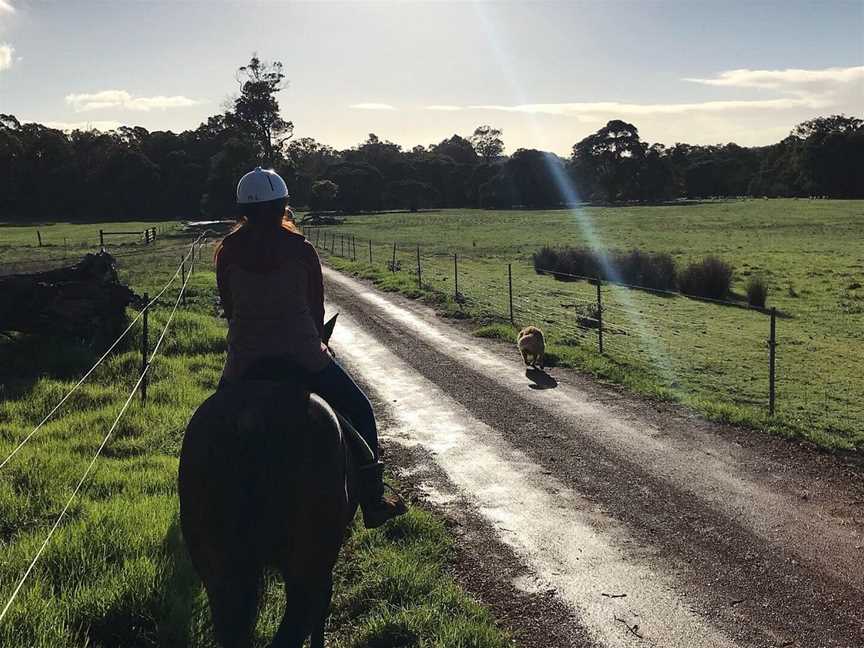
(336,386)
(333,384)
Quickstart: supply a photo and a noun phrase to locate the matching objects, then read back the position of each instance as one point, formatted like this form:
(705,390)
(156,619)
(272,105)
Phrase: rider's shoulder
(296,243)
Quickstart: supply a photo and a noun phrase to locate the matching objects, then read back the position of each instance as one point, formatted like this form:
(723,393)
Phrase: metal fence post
(510,289)
(183,277)
(419,276)
(145,348)
(102,240)
(370,251)
(342,245)
(393,265)
(353,247)
(599,318)
(39,237)
(772,353)
(455,276)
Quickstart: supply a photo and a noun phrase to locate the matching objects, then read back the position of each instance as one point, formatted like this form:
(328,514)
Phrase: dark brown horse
(265,482)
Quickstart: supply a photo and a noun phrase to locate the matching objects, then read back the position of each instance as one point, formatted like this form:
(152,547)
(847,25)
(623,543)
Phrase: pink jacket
(272,291)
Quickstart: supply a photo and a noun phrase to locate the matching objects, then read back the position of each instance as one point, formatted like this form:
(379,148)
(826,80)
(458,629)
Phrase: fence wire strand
(92,463)
(99,361)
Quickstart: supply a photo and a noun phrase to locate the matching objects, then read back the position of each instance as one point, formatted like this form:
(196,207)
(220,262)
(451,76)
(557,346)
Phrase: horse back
(263,469)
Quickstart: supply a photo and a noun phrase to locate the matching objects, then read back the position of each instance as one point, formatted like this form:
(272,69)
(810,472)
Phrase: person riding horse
(271,286)
(275,462)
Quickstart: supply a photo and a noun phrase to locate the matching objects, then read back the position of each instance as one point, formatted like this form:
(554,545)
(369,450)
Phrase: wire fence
(714,350)
(184,272)
(120,243)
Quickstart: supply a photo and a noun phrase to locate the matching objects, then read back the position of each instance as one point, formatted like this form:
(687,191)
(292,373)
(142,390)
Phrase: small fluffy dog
(531,345)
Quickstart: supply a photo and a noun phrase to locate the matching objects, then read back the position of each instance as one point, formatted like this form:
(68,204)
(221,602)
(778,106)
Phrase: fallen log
(85,300)
(316,219)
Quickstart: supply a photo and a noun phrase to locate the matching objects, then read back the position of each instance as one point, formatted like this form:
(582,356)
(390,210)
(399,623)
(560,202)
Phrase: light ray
(569,191)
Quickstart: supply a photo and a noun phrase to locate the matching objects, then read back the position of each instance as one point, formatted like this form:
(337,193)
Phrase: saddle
(283,370)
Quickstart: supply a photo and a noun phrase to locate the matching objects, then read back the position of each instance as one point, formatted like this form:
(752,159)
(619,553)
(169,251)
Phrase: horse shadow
(186,617)
(540,379)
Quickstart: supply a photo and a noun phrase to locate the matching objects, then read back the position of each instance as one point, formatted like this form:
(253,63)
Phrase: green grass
(116,572)
(19,243)
(712,358)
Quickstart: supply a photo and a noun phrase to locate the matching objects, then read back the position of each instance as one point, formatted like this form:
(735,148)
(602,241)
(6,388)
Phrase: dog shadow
(540,379)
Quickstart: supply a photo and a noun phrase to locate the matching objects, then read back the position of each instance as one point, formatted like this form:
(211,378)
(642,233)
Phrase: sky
(546,73)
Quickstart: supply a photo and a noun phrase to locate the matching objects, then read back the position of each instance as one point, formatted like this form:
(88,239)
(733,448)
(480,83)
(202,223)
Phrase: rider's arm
(316,289)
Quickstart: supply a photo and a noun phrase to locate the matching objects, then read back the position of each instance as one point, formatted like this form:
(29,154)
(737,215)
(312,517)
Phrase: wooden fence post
(393,265)
(510,289)
(772,353)
(455,276)
(370,251)
(102,240)
(599,318)
(145,349)
(353,247)
(419,275)
(39,237)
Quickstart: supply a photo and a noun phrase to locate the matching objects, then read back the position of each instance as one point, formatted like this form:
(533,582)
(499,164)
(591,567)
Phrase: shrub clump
(648,269)
(711,277)
(757,292)
(546,258)
(652,270)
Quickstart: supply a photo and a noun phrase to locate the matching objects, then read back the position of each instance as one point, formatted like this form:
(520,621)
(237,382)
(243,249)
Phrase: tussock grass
(116,572)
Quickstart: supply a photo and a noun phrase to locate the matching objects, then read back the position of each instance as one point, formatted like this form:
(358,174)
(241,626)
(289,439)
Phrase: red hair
(245,224)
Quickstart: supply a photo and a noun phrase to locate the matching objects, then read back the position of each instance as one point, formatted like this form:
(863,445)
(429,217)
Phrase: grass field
(116,572)
(713,358)
(20,250)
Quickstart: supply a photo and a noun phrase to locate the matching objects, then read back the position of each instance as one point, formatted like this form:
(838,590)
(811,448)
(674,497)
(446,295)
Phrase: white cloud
(6,55)
(795,90)
(372,106)
(6,5)
(89,125)
(790,79)
(611,108)
(160,102)
(121,99)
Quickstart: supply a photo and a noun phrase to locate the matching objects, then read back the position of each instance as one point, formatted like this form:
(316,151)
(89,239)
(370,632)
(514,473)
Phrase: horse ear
(329,325)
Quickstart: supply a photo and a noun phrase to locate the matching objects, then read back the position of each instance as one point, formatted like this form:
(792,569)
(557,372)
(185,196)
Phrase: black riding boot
(377,506)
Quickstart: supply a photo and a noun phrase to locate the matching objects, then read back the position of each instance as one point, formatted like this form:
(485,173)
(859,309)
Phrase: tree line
(131,172)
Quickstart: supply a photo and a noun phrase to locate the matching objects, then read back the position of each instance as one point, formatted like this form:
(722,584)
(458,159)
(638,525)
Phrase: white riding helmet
(261,185)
